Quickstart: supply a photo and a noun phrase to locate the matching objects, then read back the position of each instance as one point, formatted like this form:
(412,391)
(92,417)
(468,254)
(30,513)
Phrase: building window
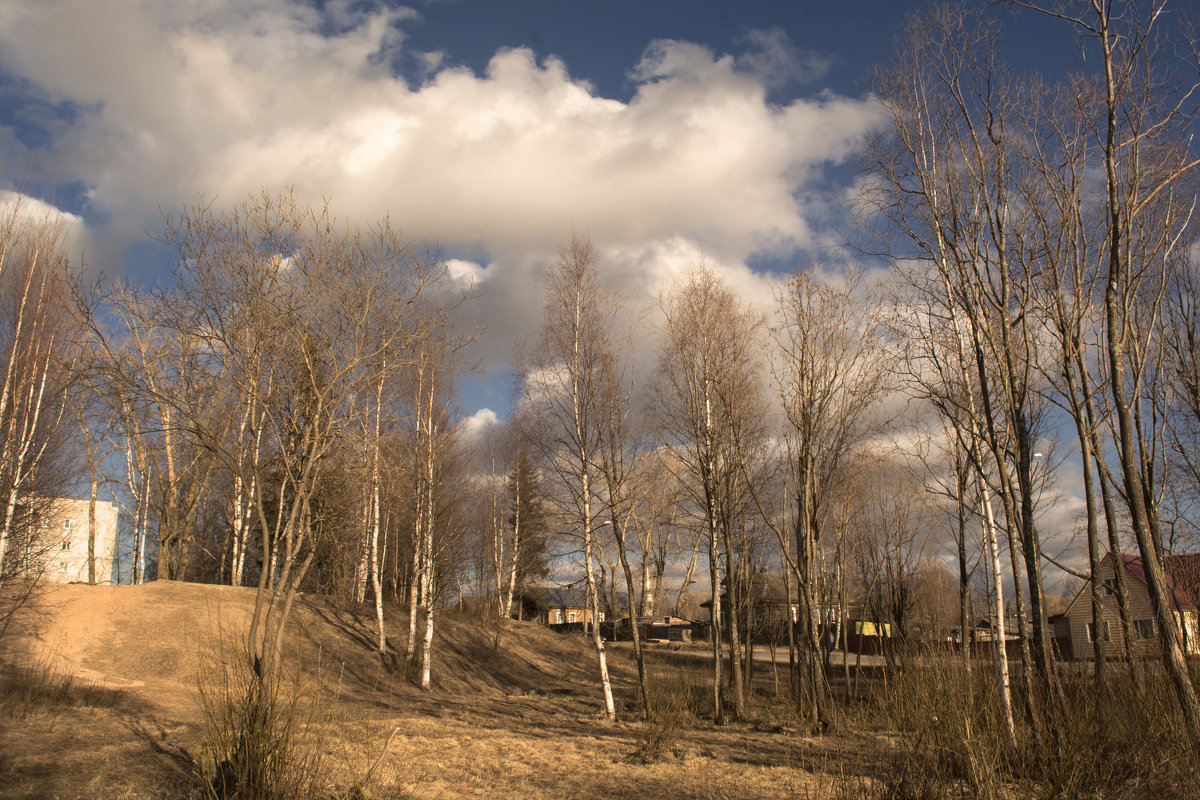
(1091,632)
(602,616)
(68,524)
(557,617)
(1110,587)
(66,545)
(1143,628)
(570,616)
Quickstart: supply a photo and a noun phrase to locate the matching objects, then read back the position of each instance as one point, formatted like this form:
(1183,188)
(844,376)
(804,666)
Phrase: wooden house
(1183,590)
(568,608)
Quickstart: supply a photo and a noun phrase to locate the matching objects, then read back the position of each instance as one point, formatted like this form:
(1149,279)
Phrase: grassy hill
(100,699)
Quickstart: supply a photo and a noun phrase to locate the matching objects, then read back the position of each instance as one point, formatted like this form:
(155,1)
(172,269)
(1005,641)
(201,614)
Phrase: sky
(671,131)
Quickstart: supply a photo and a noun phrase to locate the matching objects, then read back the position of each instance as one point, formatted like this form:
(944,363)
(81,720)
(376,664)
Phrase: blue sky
(671,130)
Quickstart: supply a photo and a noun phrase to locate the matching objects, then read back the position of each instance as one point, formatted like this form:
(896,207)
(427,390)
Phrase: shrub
(254,745)
(673,703)
(1124,740)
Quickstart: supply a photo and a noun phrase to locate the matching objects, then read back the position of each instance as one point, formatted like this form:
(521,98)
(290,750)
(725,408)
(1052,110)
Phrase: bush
(254,745)
(673,705)
(1124,741)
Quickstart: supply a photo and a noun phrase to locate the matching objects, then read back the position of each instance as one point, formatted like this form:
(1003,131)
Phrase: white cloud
(34,211)
(224,98)
(477,425)
(21,210)
(778,62)
(465,274)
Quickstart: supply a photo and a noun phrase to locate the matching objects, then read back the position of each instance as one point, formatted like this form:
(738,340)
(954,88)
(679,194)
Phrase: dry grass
(1125,742)
(253,742)
(515,712)
(43,687)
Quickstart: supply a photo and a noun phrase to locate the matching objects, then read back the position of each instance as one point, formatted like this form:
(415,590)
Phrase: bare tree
(37,341)
(831,373)
(1145,118)
(560,380)
(276,311)
(620,451)
(432,444)
(894,517)
(706,388)
(147,372)
(944,178)
(89,414)
(1184,343)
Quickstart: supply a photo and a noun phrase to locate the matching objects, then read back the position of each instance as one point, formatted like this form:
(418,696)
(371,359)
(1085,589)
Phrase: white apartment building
(63,536)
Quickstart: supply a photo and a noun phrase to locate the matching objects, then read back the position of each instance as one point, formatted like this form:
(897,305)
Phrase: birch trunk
(376,577)
(516,546)
(429,565)
(998,615)
(610,709)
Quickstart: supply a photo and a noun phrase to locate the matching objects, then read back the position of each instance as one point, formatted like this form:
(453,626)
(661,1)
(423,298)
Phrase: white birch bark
(610,709)
(502,607)
(416,576)
(427,600)
(20,464)
(998,615)
(376,577)
(516,546)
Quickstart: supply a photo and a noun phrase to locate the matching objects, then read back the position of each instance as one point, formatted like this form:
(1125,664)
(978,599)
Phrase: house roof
(566,598)
(571,597)
(1182,571)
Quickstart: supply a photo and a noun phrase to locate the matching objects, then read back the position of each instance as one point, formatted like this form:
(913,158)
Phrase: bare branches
(256,363)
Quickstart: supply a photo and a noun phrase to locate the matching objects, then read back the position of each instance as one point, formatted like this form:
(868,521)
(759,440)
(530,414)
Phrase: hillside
(514,709)
(150,640)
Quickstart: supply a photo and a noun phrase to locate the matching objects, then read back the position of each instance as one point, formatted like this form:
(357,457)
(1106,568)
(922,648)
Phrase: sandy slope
(149,643)
(146,639)
(515,710)
(151,640)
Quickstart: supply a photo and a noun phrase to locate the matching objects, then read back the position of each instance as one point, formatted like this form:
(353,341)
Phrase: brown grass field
(102,701)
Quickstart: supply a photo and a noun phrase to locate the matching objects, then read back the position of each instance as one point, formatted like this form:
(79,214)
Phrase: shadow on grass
(40,686)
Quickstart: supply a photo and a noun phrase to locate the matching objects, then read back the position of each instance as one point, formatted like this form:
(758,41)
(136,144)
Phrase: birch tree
(36,341)
(944,175)
(1142,130)
(278,312)
(706,382)
(831,372)
(559,381)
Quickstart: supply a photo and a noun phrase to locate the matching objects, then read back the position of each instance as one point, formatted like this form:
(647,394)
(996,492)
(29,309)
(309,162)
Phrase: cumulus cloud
(21,210)
(477,425)
(30,210)
(223,98)
(465,274)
